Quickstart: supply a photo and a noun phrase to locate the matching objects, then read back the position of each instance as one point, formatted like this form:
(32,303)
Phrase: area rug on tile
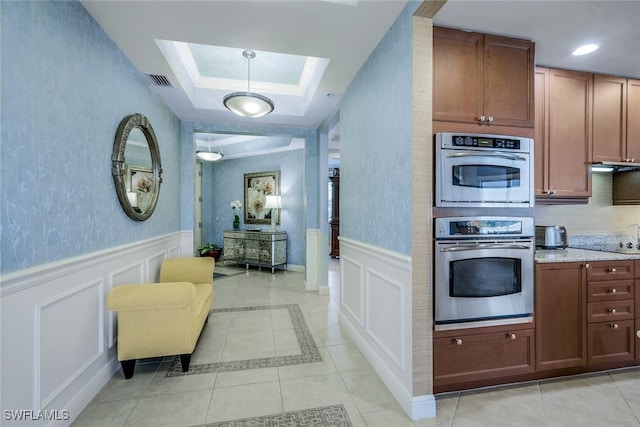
(328,416)
(309,352)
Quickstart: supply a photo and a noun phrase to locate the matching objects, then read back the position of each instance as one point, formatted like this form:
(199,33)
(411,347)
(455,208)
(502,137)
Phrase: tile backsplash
(597,217)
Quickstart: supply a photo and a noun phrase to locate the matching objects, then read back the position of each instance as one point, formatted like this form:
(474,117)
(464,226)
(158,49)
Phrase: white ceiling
(346,32)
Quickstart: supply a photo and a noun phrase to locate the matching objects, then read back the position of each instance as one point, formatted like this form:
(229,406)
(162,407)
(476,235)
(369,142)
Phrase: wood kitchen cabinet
(616,119)
(610,308)
(482,79)
(562,138)
(609,118)
(561,336)
(474,354)
(633,119)
(637,305)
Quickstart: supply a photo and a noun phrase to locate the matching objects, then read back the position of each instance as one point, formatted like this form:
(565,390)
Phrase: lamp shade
(209,156)
(273,202)
(248,104)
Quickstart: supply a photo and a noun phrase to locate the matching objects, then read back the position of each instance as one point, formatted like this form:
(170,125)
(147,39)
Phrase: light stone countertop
(578,255)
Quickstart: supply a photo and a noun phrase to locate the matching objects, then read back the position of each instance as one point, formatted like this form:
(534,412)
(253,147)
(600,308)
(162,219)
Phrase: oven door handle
(483,246)
(481,154)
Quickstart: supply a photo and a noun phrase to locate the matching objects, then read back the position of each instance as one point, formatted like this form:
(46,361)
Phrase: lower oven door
(482,280)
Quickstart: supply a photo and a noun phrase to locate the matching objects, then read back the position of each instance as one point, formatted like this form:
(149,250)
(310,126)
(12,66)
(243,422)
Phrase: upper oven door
(483,178)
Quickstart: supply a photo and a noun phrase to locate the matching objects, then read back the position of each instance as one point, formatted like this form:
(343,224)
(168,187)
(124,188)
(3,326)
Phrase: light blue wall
(309,215)
(222,182)
(375,139)
(65,87)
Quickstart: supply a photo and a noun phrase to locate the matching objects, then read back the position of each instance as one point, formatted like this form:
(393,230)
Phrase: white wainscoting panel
(383,325)
(375,310)
(55,323)
(352,293)
(59,364)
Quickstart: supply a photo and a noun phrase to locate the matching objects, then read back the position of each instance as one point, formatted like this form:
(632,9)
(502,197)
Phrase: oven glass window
(485,277)
(486,176)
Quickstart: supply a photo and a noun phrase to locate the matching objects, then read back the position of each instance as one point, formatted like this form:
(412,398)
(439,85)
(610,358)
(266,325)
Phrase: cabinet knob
(614,326)
(481,120)
(612,270)
(458,341)
(587,265)
(613,290)
(612,310)
(638,333)
(489,120)
(512,336)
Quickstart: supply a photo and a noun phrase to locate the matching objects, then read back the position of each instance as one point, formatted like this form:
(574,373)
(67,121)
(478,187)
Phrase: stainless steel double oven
(484,261)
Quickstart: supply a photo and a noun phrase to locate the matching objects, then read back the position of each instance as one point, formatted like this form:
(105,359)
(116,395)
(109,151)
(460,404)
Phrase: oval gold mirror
(136,167)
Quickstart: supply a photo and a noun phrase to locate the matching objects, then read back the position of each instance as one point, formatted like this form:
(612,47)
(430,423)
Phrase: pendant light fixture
(248,104)
(209,156)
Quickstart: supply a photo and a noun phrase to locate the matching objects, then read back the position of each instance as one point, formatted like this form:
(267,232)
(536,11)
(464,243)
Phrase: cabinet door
(561,340)
(509,81)
(540,141)
(569,129)
(637,338)
(611,341)
(633,120)
(482,356)
(457,75)
(609,118)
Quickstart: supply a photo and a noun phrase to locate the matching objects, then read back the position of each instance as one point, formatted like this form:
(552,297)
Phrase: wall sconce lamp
(274,203)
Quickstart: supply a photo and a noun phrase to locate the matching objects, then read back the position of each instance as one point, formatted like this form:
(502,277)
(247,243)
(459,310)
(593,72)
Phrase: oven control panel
(484,141)
(474,227)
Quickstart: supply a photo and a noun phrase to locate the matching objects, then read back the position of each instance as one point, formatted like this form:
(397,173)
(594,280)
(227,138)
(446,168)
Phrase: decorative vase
(236,225)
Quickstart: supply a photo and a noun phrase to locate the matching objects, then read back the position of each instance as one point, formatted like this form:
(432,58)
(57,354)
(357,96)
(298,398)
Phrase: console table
(259,248)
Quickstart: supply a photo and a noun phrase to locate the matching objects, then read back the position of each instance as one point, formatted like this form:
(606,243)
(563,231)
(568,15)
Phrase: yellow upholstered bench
(166,318)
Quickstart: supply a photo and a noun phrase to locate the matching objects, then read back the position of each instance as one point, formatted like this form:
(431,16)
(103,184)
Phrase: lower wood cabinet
(474,354)
(561,338)
(637,338)
(611,341)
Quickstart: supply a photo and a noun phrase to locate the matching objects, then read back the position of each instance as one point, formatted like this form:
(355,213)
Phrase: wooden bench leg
(128,366)
(185,359)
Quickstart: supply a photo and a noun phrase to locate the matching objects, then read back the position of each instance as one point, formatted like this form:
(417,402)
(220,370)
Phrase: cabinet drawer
(610,270)
(610,341)
(613,290)
(483,356)
(609,311)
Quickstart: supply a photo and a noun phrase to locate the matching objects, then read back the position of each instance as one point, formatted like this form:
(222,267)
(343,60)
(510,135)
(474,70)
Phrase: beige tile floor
(343,376)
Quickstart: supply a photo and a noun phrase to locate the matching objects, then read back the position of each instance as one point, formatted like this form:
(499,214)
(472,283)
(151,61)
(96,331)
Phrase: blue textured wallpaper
(307,217)
(222,183)
(65,87)
(375,138)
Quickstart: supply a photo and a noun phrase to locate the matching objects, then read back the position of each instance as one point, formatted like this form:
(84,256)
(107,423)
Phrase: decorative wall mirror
(136,167)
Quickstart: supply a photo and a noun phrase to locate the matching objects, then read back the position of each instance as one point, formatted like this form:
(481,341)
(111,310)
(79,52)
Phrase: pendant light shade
(209,156)
(248,104)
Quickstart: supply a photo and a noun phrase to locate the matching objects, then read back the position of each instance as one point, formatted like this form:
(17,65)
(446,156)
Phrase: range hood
(617,166)
(626,187)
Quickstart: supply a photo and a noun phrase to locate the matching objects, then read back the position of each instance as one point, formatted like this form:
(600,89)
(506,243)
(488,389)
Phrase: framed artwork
(139,185)
(256,188)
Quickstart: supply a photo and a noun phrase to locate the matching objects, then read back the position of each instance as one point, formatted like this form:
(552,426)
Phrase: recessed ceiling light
(585,49)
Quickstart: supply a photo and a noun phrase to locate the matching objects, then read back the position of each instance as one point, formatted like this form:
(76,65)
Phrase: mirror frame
(118,170)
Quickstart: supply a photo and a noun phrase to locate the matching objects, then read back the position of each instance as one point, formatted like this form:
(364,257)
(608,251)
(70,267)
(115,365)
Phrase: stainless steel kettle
(551,237)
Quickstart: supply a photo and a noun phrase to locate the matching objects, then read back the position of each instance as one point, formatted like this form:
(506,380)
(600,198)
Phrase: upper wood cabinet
(562,138)
(609,119)
(482,79)
(633,119)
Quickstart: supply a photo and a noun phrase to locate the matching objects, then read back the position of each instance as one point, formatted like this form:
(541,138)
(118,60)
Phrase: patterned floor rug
(327,416)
